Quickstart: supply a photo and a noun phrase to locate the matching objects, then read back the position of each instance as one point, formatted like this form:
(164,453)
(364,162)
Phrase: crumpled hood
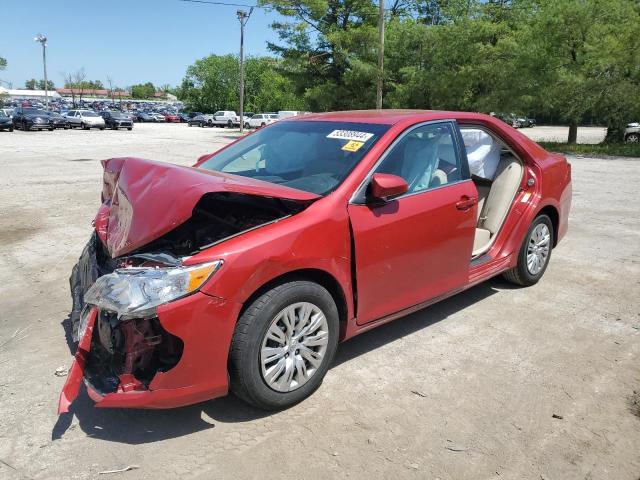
(144,199)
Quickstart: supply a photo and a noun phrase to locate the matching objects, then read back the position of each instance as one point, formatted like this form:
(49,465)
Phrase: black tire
(262,124)
(102,128)
(229,124)
(633,138)
(244,358)
(84,127)
(247,126)
(51,129)
(520,274)
(11,129)
(129,128)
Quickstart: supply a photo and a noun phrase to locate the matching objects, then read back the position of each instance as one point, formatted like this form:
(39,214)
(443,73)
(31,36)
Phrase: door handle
(465,203)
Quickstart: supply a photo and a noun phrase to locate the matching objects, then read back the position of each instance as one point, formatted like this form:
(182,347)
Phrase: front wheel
(229,124)
(247,126)
(534,254)
(283,345)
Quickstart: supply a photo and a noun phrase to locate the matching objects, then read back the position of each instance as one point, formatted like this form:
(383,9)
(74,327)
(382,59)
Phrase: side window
(426,157)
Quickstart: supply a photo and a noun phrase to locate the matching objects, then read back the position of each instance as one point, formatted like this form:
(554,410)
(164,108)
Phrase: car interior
(497,173)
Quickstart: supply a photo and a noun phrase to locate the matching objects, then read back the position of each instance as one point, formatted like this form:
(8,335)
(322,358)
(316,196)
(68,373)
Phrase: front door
(418,246)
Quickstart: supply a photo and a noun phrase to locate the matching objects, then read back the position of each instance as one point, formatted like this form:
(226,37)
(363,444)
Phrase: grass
(613,149)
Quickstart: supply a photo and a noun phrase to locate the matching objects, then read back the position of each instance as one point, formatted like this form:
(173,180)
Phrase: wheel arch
(321,277)
(552,213)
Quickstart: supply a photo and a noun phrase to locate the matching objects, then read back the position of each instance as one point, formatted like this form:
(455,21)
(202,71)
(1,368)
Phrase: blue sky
(133,41)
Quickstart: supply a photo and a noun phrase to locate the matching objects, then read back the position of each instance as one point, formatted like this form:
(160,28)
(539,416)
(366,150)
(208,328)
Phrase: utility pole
(43,41)
(243,16)
(380,55)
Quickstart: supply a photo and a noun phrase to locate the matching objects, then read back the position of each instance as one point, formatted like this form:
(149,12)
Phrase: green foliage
(211,84)
(34,84)
(567,60)
(84,84)
(3,63)
(143,90)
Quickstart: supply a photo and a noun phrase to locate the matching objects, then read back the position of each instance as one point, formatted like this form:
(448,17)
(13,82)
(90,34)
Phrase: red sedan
(171,117)
(245,271)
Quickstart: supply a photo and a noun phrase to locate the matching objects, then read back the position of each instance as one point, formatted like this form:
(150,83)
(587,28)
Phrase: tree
(3,63)
(76,82)
(211,84)
(142,91)
(34,84)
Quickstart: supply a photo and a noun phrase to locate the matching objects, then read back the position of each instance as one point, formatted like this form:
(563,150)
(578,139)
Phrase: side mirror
(385,186)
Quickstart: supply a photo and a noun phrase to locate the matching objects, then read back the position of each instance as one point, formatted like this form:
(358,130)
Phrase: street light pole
(243,16)
(380,56)
(43,41)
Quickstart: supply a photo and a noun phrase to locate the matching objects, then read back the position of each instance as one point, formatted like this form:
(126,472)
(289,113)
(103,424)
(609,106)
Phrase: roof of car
(387,117)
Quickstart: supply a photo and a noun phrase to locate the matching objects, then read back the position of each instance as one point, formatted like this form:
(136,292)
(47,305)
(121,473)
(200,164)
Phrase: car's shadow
(146,426)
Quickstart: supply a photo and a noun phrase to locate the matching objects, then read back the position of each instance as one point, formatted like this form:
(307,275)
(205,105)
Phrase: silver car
(85,119)
(632,133)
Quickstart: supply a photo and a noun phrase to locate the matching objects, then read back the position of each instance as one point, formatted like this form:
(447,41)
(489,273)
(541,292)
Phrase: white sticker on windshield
(350,135)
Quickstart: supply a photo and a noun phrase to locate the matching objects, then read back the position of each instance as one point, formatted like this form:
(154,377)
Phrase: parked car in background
(145,117)
(6,122)
(240,273)
(260,120)
(85,119)
(31,118)
(59,121)
(9,112)
(116,120)
(198,121)
(508,118)
(223,118)
(632,133)
(159,117)
(525,122)
(184,117)
(171,117)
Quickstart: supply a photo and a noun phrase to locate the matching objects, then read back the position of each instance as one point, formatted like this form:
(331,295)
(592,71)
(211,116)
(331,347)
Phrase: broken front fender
(142,379)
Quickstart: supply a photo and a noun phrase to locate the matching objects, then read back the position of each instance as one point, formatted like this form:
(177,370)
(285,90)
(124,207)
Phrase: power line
(227,4)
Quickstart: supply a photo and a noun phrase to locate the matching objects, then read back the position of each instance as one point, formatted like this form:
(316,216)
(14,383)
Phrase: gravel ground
(560,134)
(466,389)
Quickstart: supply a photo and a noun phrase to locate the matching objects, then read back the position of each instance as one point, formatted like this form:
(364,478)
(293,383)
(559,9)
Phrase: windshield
(311,156)
(118,115)
(34,111)
(88,113)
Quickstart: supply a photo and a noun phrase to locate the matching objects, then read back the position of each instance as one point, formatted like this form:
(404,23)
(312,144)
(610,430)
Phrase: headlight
(136,292)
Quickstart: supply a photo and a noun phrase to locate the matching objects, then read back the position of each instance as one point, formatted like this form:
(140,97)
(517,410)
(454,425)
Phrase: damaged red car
(245,271)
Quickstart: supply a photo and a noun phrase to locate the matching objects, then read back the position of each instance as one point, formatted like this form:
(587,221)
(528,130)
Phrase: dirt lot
(466,389)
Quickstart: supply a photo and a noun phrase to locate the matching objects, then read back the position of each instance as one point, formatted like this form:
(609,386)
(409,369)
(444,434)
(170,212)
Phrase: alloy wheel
(538,248)
(294,346)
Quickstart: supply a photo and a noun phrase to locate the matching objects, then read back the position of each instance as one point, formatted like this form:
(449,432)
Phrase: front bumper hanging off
(174,358)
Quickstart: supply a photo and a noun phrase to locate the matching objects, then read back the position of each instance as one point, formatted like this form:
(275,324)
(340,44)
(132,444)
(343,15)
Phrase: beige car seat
(497,203)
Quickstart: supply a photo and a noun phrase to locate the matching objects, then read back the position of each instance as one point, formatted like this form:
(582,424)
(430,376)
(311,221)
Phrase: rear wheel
(247,126)
(633,138)
(229,124)
(534,254)
(283,345)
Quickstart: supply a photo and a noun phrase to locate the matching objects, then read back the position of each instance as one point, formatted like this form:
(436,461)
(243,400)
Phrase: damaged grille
(126,355)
